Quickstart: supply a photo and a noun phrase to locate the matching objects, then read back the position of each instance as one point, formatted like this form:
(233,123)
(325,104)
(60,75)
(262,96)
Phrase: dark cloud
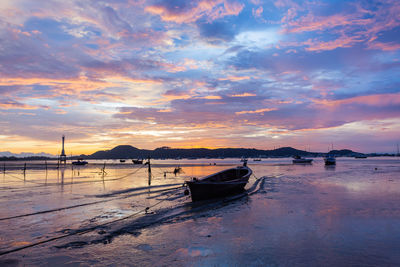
(217,31)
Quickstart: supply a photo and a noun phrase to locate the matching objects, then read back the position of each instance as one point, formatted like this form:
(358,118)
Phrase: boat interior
(228,175)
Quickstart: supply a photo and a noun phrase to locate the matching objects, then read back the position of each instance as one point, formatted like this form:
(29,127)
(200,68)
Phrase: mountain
(121,152)
(127,151)
(345,153)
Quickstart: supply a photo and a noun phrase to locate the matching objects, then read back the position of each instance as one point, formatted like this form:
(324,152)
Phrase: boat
(360,157)
(137,161)
(256,159)
(223,183)
(298,159)
(121,160)
(330,160)
(79,162)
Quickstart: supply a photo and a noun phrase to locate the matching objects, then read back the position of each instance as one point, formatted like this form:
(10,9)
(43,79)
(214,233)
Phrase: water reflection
(330,167)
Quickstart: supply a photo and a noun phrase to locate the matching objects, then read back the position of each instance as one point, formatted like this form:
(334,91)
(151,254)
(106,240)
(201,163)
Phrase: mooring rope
(92,203)
(78,182)
(83,231)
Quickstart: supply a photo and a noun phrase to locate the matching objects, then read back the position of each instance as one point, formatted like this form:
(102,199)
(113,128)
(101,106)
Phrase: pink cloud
(379,100)
(205,8)
(361,26)
(391,46)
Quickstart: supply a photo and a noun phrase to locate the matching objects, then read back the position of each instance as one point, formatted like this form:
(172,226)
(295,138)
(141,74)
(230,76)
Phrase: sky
(223,73)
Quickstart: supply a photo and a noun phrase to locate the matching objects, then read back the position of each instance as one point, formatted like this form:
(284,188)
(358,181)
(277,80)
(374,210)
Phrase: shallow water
(293,215)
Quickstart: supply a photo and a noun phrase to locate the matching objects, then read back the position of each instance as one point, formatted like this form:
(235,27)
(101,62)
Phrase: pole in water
(45,163)
(149,169)
(4,167)
(24,170)
(103,171)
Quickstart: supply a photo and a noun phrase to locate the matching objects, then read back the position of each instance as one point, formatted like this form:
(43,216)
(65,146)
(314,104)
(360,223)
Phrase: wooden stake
(24,170)
(149,169)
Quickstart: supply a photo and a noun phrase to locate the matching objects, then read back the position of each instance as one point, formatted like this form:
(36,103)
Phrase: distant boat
(330,160)
(298,159)
(137,161)
(360,157)
(79,162)
(121,160)
(223,183)
(256,159)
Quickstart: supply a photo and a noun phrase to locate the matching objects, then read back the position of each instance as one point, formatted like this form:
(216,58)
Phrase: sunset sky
(223,73)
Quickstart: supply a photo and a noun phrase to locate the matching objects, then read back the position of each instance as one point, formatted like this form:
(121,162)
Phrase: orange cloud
(234,78)
(210,97)
(243,95)
(255,111)
(10,104)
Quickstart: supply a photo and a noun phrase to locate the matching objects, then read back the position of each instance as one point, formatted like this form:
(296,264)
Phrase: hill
(127,151)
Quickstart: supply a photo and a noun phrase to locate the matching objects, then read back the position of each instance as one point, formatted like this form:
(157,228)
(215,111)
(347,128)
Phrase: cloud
(12,104)
(355,23)
(180,11)
(216,31)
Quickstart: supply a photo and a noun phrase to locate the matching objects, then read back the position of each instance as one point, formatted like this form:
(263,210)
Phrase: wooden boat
(299,159)
(330,160)
(79,162)
(220,184)
(137,161)
(121,160)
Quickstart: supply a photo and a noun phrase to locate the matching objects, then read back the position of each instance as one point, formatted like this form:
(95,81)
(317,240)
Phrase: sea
(112,213)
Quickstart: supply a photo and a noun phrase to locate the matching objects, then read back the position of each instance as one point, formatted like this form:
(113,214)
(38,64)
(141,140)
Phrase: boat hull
(304,161)
(330,162)
(79,163)
(203,191)
(221,184)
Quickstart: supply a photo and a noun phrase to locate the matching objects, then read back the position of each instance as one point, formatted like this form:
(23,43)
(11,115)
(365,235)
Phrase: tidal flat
(290,215)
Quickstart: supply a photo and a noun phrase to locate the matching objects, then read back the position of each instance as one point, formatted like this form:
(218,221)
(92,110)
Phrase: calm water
(293,215)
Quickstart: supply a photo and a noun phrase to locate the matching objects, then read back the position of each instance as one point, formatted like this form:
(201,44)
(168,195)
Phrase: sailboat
(330,159)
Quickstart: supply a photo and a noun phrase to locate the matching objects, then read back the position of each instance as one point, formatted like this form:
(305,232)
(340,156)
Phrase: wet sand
(292,215)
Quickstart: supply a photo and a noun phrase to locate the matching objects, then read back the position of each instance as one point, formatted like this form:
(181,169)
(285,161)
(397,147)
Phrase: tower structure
(63,157)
